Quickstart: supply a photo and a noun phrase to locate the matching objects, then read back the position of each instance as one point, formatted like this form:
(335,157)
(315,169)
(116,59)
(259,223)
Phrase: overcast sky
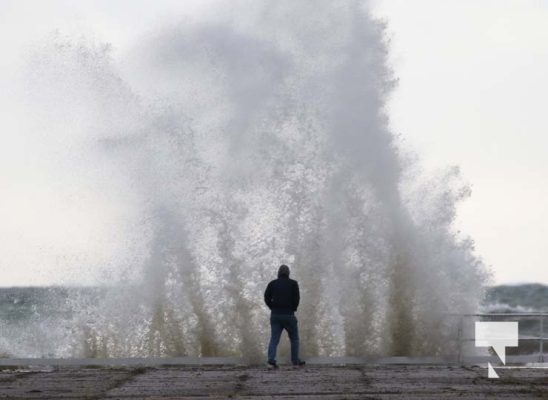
(473,92)
(473,85)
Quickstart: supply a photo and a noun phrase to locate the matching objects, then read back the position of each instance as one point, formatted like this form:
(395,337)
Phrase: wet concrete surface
(260,382)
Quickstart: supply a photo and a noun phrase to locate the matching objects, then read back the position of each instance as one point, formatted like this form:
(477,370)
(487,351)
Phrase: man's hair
(283,270)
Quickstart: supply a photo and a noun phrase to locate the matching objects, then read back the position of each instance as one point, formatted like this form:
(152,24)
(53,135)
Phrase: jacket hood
(283,270)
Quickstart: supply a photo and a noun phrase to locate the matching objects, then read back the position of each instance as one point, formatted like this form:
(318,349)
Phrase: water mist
(243,143)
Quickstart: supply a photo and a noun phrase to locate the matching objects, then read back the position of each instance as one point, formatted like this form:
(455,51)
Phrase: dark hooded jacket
(282,295)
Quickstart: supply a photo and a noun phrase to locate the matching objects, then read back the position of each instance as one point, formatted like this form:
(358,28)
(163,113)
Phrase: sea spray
(246,142)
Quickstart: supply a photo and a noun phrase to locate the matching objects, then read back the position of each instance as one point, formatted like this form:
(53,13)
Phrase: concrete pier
(319,381)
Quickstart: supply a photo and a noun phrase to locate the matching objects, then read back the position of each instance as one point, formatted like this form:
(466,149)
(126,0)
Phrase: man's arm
(268,295)
(296,296)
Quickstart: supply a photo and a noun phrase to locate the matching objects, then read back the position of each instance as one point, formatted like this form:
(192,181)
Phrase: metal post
(541,340)
(459,340)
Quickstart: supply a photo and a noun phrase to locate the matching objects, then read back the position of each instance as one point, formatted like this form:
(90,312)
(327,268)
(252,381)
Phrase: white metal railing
(540,316)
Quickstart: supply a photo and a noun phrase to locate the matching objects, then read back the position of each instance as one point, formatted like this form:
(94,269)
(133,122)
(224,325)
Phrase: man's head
(283,271)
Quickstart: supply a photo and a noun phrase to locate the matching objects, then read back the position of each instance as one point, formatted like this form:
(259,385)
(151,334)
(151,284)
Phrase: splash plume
(249,141)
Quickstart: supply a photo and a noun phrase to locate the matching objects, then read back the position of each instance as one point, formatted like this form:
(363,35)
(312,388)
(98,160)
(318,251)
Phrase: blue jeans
(279,322)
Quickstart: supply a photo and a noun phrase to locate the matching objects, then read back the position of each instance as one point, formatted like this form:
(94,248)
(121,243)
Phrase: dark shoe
(299,363)
(273,364)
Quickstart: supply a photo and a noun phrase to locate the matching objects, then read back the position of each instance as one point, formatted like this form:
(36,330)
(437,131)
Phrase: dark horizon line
(76,286)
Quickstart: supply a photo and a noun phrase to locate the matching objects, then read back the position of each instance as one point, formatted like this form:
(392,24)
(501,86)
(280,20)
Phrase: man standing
(282,297)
